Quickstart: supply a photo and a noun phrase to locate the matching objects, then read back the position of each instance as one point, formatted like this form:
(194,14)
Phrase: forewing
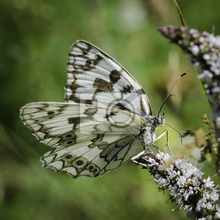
(96,78)
(88,140)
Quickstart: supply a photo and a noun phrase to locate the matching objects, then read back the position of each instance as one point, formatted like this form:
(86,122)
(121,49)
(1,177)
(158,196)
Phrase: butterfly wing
(96,78)
(88,140)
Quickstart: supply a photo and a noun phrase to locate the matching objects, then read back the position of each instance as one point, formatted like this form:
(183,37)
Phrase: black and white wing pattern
(97,79)
(104,121)
(88,140)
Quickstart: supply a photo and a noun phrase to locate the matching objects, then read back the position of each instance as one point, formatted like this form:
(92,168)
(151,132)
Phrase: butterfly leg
(154,145)
(161,135)
(138,155)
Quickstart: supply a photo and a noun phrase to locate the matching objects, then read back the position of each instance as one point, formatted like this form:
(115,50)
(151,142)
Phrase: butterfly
(105,120)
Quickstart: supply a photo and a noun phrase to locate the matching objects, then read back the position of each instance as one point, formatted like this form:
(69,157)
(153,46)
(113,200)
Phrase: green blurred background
(35,41)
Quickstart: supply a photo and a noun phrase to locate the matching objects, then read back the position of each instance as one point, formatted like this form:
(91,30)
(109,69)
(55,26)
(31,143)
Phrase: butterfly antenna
(170,94)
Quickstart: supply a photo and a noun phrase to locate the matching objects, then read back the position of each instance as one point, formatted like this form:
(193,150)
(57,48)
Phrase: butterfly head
(159,120)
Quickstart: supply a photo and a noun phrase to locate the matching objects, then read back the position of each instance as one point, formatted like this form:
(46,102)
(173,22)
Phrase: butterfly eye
(160,120)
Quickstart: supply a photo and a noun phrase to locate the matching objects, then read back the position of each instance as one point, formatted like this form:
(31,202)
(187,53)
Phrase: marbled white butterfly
(104,121)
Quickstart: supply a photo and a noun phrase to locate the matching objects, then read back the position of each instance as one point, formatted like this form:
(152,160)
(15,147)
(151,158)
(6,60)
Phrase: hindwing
(88,140)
